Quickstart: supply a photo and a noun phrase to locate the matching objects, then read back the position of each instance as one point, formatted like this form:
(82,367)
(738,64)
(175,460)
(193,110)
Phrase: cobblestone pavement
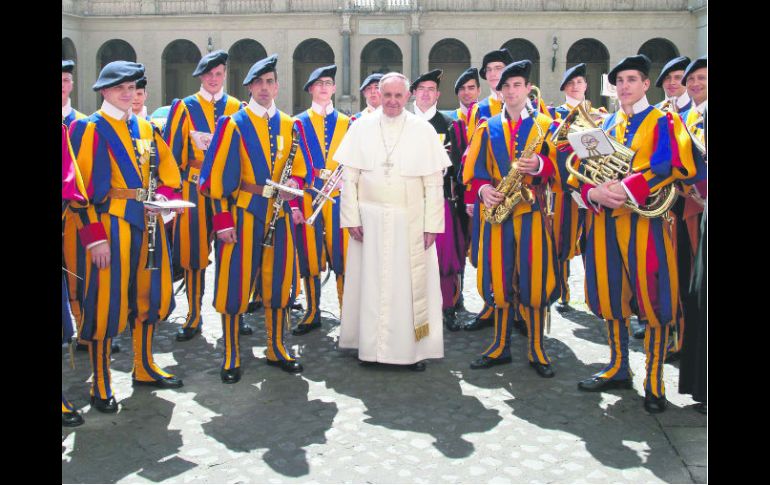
(340,422)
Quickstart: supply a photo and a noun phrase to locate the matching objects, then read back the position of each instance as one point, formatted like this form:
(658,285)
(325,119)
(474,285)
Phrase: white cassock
(392,287)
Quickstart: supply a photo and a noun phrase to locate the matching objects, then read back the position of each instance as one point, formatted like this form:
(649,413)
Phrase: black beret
(118,72)
(639,62)
(371,78)
(210,61)
(141,83)
(694,66)
(326,71)
(500,55)
(676,64)
(434,75)
(572,72)
(67,65)
(518,68)
(467,75)
(261,67)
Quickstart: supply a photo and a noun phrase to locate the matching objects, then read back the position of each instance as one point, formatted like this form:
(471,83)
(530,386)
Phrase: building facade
(365,36)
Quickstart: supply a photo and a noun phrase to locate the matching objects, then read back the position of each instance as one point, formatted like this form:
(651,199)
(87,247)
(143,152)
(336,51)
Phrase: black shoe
(304,328)
(654,405)
(459,306)
(114,348)
(543,370)
(485,362)
(639,330)
(672,357)
(416,367)
(245,329)
(366,363)
(596,384)
(70,420)
(230,376)
(520,326)
(254,306)
(479,323)
(296,306)
(450,320)
(172,382)
(185,334)
(290,366)
(564,308)
(104,405)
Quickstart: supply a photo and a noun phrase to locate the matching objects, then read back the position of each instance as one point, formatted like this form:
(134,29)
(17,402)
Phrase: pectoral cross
(387,165)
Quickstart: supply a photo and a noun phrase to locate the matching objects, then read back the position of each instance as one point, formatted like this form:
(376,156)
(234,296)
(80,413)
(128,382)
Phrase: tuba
(603,168)
(512,185)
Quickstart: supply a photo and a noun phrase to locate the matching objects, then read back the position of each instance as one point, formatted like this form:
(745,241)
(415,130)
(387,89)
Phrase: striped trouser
(566,230)
(66,406)
(655,349)
(236,273)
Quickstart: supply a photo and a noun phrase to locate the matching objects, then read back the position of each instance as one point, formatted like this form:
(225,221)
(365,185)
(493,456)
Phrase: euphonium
(600,169)
(325,194)
(512,185)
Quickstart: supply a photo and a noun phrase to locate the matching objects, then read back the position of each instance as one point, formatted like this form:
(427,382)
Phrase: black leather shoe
(230,376)
(543,370)
(638,331)
(485,362)
(114,348)
(104,405)
(597,384)
(520,326)
(479,323)
(654,405)
(416,367)
(459,306)
(70,420)
(290,366)
(672,357)
(450,320)
(254,306)
(185,334)
(366,363)
(296,306)
(304,328)
(564,308)
(172,382)
(245,329)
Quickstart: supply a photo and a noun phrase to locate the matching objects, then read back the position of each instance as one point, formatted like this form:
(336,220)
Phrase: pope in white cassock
(392,203)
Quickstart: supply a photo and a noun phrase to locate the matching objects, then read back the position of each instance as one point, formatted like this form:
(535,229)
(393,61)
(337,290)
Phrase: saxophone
(512,185)
(277,201)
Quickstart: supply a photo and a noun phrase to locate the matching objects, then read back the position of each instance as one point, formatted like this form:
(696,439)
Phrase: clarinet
(152,223)
(277,202)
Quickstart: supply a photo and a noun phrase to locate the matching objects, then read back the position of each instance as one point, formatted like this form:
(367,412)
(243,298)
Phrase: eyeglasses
(324,83)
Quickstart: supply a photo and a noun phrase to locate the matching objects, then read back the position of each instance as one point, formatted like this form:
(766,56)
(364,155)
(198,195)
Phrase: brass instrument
(277,201)
(696,141)
(534,97)
(325,193)
(669,105)
(512,185)
(603,168)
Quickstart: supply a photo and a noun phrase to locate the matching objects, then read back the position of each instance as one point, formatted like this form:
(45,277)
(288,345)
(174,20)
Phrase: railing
(189,7)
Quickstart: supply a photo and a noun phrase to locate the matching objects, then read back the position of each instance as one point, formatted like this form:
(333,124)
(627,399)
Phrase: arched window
(179,59)
(660,51)
(597,59)
(379,55)
(68,51)
(242,55)
(309,55)
(523,49)
(453,57)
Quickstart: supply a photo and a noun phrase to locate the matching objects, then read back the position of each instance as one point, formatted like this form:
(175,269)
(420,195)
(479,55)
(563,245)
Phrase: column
(346,101)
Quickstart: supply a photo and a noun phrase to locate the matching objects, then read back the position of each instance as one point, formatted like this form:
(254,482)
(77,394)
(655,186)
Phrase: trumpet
(325,193)
(599,169)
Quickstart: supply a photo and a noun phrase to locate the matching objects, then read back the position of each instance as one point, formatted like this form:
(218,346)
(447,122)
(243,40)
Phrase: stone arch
(660,51)
(309,55)
(380,55)
(242,55)
(524,49)
(597,59)
(179,60)
(453,57)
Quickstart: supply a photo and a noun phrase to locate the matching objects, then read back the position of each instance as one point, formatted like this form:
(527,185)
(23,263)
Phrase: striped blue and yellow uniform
(324,240)
(630,259)
(124,292)
(193,228)
(517,258)
(248,149)
(74,253)
(72,188)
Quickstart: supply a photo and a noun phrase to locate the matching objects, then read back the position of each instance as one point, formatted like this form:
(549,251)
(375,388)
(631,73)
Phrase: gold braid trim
(421,331)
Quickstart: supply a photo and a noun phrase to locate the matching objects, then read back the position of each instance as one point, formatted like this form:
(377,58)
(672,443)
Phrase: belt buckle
(324,174)
(141,194)
(268,191)
(194,178)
